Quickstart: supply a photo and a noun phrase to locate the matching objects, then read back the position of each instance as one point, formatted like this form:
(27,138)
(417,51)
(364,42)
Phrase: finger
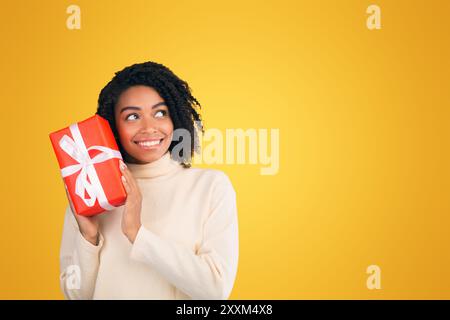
(129,180)
(129,177)
(126,184)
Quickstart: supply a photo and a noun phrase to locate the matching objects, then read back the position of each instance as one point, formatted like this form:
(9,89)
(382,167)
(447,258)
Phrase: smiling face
(143,123)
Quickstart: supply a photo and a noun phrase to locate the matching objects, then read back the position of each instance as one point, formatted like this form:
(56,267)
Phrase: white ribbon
(77,150)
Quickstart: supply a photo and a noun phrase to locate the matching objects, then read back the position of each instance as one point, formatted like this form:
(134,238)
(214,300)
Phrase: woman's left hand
(131,218)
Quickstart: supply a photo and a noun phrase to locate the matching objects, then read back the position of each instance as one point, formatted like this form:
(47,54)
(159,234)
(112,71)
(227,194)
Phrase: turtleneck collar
(160,167)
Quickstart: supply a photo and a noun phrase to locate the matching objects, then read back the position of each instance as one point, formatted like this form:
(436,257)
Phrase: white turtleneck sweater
(186,248)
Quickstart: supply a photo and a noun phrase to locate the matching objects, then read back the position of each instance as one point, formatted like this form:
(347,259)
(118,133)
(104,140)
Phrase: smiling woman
(176,237)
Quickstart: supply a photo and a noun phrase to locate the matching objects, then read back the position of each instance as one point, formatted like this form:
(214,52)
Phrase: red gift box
(88,157)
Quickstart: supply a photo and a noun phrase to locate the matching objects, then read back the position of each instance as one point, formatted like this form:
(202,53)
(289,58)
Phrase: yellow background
(364,133)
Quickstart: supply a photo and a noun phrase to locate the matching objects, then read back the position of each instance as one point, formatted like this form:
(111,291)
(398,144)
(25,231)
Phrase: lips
(149,143)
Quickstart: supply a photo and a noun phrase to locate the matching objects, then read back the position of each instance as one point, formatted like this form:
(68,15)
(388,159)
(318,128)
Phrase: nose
(149,125)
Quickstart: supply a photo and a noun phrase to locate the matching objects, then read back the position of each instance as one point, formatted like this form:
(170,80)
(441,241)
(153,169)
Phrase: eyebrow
(162,103)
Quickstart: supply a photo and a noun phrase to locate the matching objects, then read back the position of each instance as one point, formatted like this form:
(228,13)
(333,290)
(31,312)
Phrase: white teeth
(149,143)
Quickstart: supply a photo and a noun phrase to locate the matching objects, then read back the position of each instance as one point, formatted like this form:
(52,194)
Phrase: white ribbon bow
(77,150)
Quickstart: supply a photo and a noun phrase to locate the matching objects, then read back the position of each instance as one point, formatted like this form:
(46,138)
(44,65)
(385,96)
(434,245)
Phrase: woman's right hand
(88,225)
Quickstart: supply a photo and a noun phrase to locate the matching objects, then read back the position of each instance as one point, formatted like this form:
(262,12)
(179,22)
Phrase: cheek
(167,127)
(124,133)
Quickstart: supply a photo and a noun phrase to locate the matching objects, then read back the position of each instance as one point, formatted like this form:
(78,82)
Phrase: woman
(176,237)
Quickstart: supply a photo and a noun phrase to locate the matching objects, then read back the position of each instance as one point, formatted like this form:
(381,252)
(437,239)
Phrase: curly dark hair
(175,92)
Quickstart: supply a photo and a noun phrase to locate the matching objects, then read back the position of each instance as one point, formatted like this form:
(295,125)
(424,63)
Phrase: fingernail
(123,179)
(122,165)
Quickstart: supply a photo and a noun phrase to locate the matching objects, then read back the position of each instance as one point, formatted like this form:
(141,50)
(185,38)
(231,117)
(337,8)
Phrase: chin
(147,156)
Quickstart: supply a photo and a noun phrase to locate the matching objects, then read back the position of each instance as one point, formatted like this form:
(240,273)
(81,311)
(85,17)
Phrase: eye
(160,113)
(131,114)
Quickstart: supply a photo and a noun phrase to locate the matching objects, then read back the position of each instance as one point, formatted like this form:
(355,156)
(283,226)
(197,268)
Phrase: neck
(163,166)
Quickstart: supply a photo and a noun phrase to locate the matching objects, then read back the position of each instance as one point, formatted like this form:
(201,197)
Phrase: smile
(149,144)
